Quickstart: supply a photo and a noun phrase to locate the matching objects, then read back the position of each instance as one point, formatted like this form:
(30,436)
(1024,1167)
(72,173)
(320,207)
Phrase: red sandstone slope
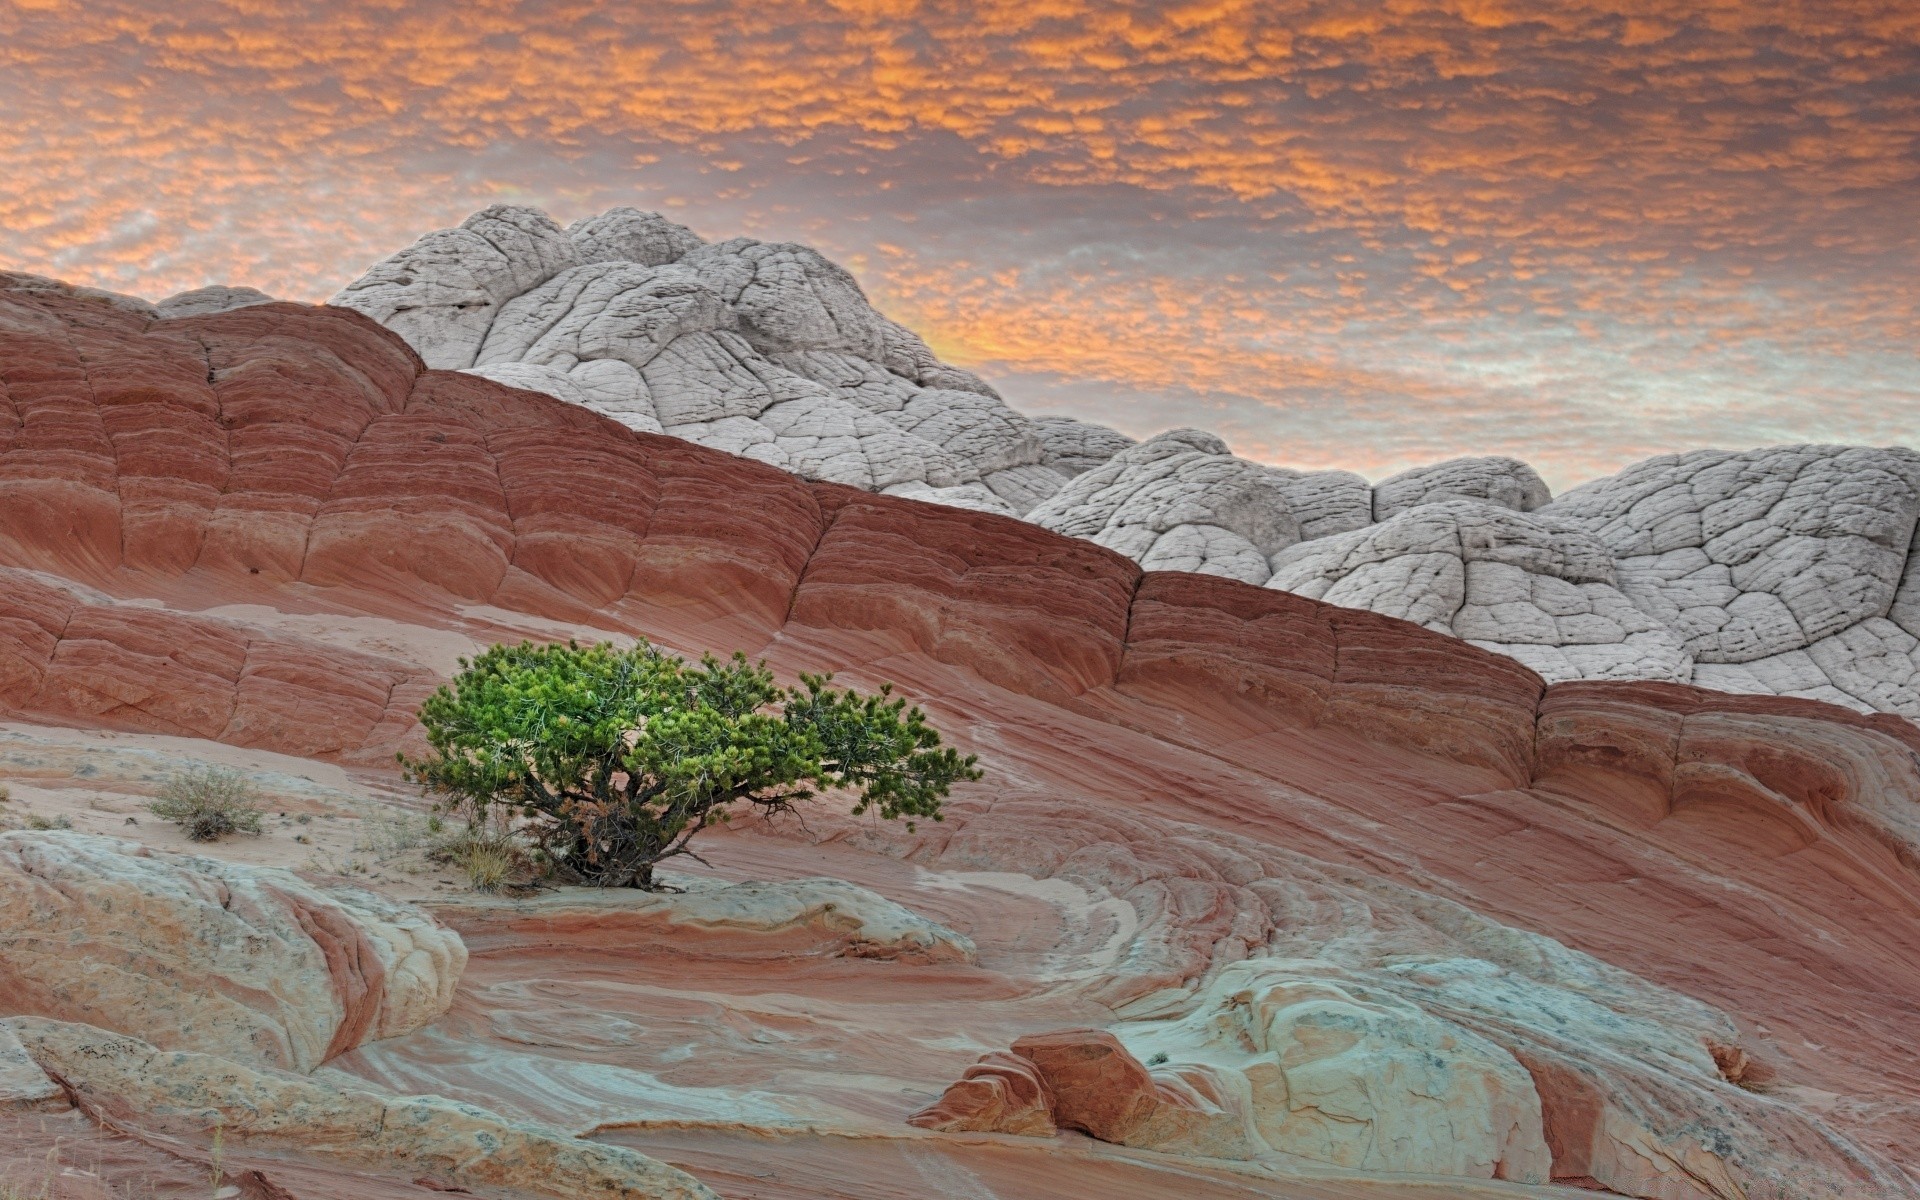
(1756,854)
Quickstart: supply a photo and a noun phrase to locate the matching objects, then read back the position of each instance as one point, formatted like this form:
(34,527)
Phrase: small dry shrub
(36,821)
(208,803)
(489,866)
(493,860)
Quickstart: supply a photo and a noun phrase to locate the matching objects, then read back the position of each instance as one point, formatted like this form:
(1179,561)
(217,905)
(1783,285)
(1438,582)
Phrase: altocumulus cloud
(1343,234)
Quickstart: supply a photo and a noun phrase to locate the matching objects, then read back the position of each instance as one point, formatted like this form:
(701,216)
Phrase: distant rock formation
(1776,571)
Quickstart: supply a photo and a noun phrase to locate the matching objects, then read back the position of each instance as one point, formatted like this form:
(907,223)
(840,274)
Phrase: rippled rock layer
(1260,894)
(1778,572)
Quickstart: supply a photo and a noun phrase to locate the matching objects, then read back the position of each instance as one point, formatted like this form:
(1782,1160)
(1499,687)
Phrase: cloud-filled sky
(1365,235)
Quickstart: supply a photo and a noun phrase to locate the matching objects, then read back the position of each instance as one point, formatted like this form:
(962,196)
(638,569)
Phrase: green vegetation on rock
(612,760)
(208,803)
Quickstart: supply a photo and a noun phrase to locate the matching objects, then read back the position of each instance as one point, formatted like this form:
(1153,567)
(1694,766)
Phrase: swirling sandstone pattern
(197,954)
(118,1078)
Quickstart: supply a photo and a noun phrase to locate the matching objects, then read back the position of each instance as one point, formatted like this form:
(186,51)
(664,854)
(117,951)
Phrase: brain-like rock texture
(1774,571)
(1519,583)
(215,298)
(200,954)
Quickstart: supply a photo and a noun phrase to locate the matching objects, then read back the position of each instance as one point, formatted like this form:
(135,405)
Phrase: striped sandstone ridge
(1647,937)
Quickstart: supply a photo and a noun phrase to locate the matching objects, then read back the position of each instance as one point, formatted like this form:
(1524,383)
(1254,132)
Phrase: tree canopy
(614,759)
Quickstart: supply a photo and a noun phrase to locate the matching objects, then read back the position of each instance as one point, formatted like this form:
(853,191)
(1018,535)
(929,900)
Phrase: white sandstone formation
(1183,502)
(1783,571)
(23,281)
(1506,482)
(1518,583)
(23,1085)
(1330,1068)
(1777,571)
(214,298)
(251,963)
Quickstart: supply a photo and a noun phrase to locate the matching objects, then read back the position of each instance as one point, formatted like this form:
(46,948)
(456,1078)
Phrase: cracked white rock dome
(1781,571)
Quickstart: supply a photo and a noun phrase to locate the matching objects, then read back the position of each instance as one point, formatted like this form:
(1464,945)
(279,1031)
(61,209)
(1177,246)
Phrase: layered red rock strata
(1230,772)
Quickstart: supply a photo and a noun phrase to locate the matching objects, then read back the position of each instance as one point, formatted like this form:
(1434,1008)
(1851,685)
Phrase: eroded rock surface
(215,298)
(1352,1023)
(200,954)
(1230,836)
(1771,571)
(189,1095)
(750,919)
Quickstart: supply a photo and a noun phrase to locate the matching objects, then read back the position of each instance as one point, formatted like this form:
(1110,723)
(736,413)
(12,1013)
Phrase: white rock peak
(1782,571)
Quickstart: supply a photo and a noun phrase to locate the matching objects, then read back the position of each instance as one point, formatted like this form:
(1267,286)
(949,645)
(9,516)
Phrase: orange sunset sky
(1364,235)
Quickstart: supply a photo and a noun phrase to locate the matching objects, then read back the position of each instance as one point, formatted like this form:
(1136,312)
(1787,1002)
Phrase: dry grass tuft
(209,803)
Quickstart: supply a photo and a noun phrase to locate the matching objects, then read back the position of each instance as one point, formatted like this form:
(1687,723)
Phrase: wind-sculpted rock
(1179,502)
(617,311)
(1002,1093)
(1071,447)
(1231,837)
(443,292)
(1099,1087)
(252,964)
(1507,482)
(23,1085)
(764,350)
(1772,571)
(215,298)
(198,1097)
(1331,1017)
(1779,570)
(1523,585)
(627,234)
(790,297)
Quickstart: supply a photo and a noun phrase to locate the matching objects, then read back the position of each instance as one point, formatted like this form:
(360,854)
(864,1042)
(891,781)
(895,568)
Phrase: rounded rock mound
(251,964)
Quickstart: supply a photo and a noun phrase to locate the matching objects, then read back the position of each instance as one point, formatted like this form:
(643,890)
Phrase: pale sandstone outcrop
(192,1096)
(627,234)
(764,350)
(1276,1008)
(1326,1067)
(1772,571)
(25,282)
(1780,570)
(214,298)
(753,919)
(200,954)
(1072,446)
(1507,482)
(1521,584)
(443,292)
(23,1085)
(1214,513)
